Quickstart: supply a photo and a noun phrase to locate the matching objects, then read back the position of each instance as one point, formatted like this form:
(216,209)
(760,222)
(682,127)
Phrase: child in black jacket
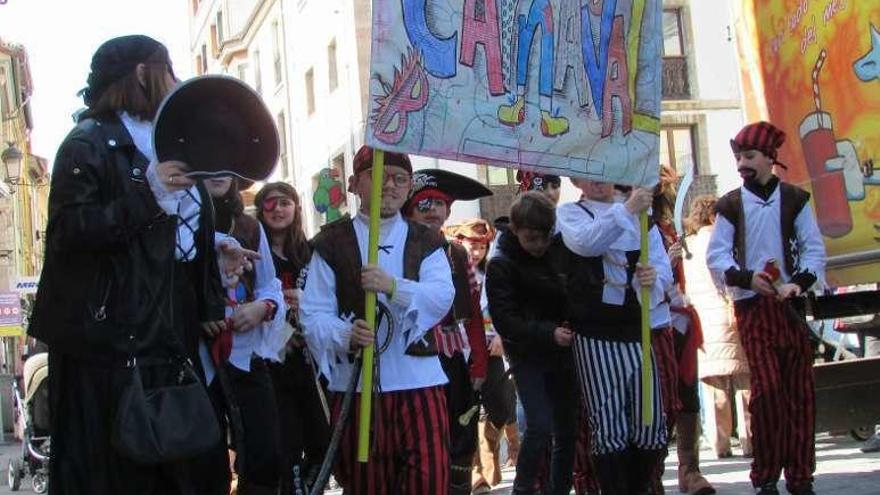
(526,296)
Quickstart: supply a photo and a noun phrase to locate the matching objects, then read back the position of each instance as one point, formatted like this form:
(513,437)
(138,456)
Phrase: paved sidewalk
(842,470)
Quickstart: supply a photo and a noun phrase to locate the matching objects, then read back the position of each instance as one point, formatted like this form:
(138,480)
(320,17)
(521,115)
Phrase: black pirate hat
(218,126)
(430,183)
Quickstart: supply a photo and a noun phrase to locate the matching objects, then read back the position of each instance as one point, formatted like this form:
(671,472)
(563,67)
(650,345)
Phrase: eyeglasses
(272,204)
(399,180)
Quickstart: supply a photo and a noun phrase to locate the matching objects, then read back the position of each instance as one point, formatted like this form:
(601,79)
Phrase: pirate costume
(498,395)
(758,223)
(303,411)
(410,432)
(604,310)
(459,338)
(235,365)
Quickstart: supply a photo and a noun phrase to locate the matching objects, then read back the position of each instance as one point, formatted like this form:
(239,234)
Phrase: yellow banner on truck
(812,68)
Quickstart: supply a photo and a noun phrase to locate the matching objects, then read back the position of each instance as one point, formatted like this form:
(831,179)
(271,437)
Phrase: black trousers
(260,463)
(82,408)
(303,427)
(460,397)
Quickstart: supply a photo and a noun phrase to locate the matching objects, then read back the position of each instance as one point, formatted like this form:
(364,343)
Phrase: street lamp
(12,157)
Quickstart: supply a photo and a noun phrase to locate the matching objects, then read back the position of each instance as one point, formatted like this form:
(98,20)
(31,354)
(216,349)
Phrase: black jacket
(109,267)
(527,300)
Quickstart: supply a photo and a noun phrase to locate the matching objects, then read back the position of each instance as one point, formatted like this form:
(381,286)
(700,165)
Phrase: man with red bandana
(459,338)
(768,222)
(413,286)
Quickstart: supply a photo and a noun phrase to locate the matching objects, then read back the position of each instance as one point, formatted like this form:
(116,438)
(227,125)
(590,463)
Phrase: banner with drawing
(568,87)
(820,71)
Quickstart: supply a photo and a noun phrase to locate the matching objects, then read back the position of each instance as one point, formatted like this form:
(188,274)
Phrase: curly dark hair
(702,213)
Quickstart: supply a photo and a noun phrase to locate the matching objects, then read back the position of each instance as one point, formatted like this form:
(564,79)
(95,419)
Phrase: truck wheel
(862,433)
(14,474)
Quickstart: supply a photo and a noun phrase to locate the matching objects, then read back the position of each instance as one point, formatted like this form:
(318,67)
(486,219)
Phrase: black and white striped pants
(609,373)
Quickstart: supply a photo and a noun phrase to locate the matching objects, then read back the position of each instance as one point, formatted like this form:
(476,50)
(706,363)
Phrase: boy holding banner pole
(605,278)
(413,285)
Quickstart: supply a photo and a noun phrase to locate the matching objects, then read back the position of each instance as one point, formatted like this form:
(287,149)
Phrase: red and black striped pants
(783,398)
(663,344)
(409,445)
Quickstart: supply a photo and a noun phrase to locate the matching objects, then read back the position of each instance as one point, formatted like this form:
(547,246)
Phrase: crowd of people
(156,281)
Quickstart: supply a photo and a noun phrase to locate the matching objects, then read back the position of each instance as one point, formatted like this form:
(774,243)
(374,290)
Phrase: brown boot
(687,443)
(511,433)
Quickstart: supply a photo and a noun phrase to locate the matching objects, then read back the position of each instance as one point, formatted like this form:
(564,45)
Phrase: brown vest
(792,201)
(338,246)
(459,262)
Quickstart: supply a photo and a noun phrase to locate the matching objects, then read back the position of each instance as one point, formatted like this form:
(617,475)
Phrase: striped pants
(610,377)
(783,397)
(409,445)
(663,344)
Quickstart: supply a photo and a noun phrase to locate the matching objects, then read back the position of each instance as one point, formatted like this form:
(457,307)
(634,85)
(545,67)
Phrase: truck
(812,68)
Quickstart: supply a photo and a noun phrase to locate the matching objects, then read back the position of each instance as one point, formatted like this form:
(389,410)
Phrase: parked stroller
(33,412)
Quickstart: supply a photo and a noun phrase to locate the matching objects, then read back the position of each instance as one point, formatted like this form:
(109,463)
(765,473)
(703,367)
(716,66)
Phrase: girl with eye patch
(304,428)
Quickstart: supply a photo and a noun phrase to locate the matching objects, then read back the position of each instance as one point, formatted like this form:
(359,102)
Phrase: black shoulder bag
(164,413)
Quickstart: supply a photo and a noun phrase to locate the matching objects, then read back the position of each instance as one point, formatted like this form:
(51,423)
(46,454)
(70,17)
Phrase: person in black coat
(120,279)
(527,300)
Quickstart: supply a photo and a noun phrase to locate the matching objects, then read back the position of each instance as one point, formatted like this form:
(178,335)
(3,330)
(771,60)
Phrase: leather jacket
(107,286)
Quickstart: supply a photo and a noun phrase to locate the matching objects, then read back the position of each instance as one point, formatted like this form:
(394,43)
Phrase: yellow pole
(370,309)
(647,392)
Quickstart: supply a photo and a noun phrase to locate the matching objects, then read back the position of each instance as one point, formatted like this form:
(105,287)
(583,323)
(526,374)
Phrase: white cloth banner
(545,85)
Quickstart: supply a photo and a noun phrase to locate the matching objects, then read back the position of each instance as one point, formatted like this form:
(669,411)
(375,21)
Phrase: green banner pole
(363,453)
(647,392)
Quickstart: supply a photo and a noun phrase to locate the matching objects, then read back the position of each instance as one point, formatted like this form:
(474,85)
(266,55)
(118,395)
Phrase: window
(203,66)
(258,76)
(241,71)
(310,91)
(676,78)
(677,148)
(496,176)
(220,26)
(199,65)
(281,122)
(276,51)
(194,5)
(215,46)
(332,73)
(673,41)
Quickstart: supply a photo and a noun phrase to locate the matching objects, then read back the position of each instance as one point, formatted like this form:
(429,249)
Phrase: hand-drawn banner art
(819,75)
(569,87)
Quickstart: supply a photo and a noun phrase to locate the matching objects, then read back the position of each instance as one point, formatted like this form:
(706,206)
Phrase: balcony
(676,85)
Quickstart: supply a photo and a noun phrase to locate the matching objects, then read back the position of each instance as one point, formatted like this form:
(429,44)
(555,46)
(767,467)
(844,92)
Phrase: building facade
(246,39)
(23,205)
(702,101)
